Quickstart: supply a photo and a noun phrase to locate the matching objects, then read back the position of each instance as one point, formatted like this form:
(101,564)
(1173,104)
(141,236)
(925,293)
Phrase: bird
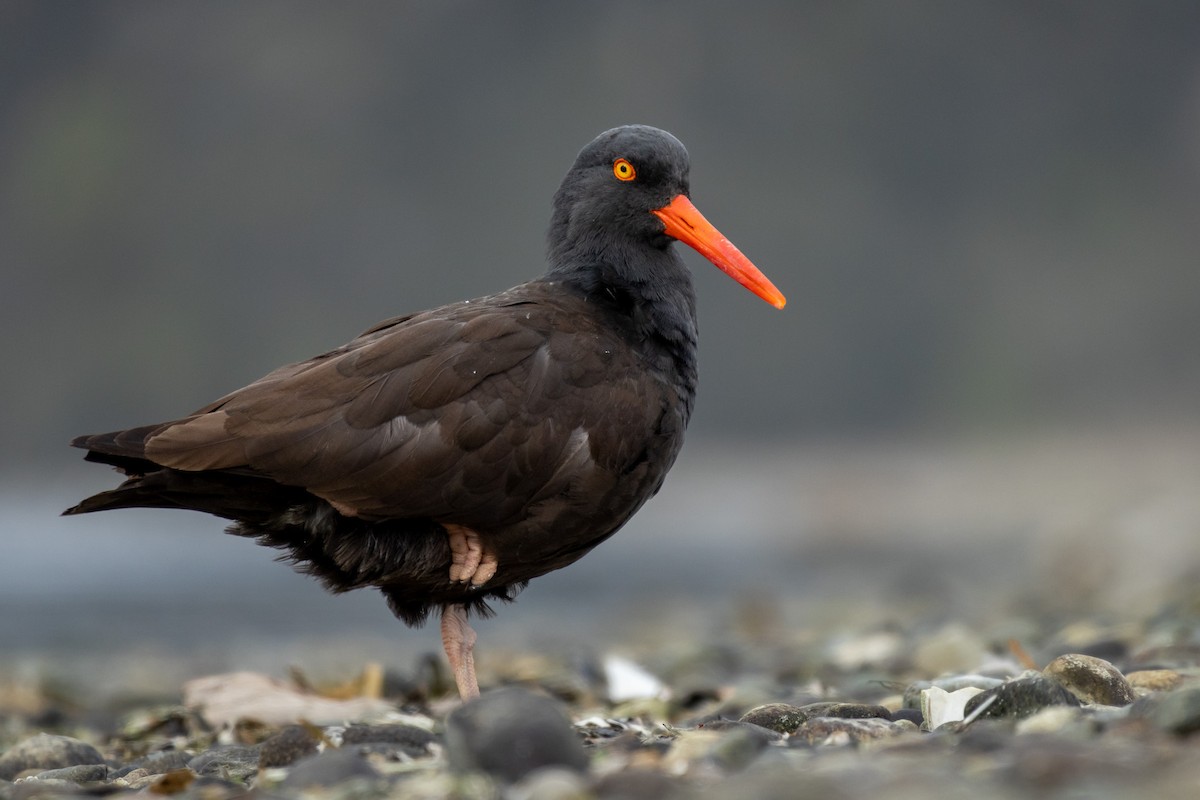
(448,457)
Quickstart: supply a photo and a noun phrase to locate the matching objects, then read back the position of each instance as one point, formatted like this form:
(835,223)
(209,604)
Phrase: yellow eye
(624,170)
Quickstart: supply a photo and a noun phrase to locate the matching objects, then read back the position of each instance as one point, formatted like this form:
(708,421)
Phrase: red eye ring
(624,170)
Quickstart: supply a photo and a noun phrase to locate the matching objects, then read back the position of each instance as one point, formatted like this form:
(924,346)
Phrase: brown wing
(466,414)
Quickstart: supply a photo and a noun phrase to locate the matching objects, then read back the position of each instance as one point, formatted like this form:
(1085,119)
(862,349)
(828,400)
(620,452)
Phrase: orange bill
(684,222)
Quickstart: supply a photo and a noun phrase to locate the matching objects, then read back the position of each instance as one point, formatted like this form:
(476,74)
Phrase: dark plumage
(532,423)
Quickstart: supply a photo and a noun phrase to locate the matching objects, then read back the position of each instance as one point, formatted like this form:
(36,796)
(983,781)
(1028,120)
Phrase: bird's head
(629,188)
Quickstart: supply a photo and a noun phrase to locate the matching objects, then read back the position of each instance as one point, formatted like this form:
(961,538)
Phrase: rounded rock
(1154,680)
(1020,698)
(1091,679)
(511,732)
(836,730)
(287,747)
(778,717)
(328,769)
(1178,712)
(46,751)
(231,762)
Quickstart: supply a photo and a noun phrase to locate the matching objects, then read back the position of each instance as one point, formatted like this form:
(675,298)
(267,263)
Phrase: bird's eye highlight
(624,170)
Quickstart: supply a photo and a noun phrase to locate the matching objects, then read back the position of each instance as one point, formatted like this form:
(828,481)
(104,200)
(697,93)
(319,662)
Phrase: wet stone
(511,732)
(1020,698)
(230,762)
(778,717)
(410,740)
(286,747)
(1091,679)
(835,730)
(84,773)
(46,751)
(784,718)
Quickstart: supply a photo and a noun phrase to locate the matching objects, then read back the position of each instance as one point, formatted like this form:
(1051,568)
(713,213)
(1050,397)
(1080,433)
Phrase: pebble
(395,740)
(743,718)
(286,747)
(835,731)
(232,762)
(46,751)
(1091,679)
(1154,680)
(330,768)
(1177,712)
(784,718)
(1020,698)
(84,773)
(510,732)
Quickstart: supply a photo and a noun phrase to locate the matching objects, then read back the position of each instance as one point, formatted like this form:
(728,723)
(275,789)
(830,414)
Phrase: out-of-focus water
(898,528)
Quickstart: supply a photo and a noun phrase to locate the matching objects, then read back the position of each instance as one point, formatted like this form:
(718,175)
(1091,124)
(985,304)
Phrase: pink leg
(459,642)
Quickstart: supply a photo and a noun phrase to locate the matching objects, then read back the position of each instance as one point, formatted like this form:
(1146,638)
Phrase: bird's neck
(648,293)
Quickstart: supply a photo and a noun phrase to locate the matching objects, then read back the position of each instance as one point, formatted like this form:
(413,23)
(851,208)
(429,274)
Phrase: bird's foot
(469,562)
(459,640)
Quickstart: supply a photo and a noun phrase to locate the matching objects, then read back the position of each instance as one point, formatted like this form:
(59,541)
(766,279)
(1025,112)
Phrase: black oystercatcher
(449,456)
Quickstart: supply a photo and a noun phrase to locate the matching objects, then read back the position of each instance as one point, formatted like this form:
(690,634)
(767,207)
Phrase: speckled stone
(287,747)
(83,773)
(45,751)
(1091,679)
(165,761)
(410,740)
(1020,698)
(778,717)
(834,730)
(784,718)
(233,762)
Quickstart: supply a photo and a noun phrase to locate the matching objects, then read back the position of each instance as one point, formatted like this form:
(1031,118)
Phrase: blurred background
(984,215)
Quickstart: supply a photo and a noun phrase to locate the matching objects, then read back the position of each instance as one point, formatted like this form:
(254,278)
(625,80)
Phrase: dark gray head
(621,205)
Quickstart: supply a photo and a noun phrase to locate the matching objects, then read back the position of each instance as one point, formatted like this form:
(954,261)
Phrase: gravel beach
(979,641)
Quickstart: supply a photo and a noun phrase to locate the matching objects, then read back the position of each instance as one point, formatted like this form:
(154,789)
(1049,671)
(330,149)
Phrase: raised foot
(469,561)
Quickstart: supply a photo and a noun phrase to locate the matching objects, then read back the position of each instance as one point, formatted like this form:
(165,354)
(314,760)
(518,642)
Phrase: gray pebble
(46,751)
(785,718)
(409,739)
(84,773)
(330,768)
(740,744)
(1020,698)
(231,762)
(778,717)
(835,730)
(1177,712)
(165,761)
(1091,679)
(509,733)
(287,747)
